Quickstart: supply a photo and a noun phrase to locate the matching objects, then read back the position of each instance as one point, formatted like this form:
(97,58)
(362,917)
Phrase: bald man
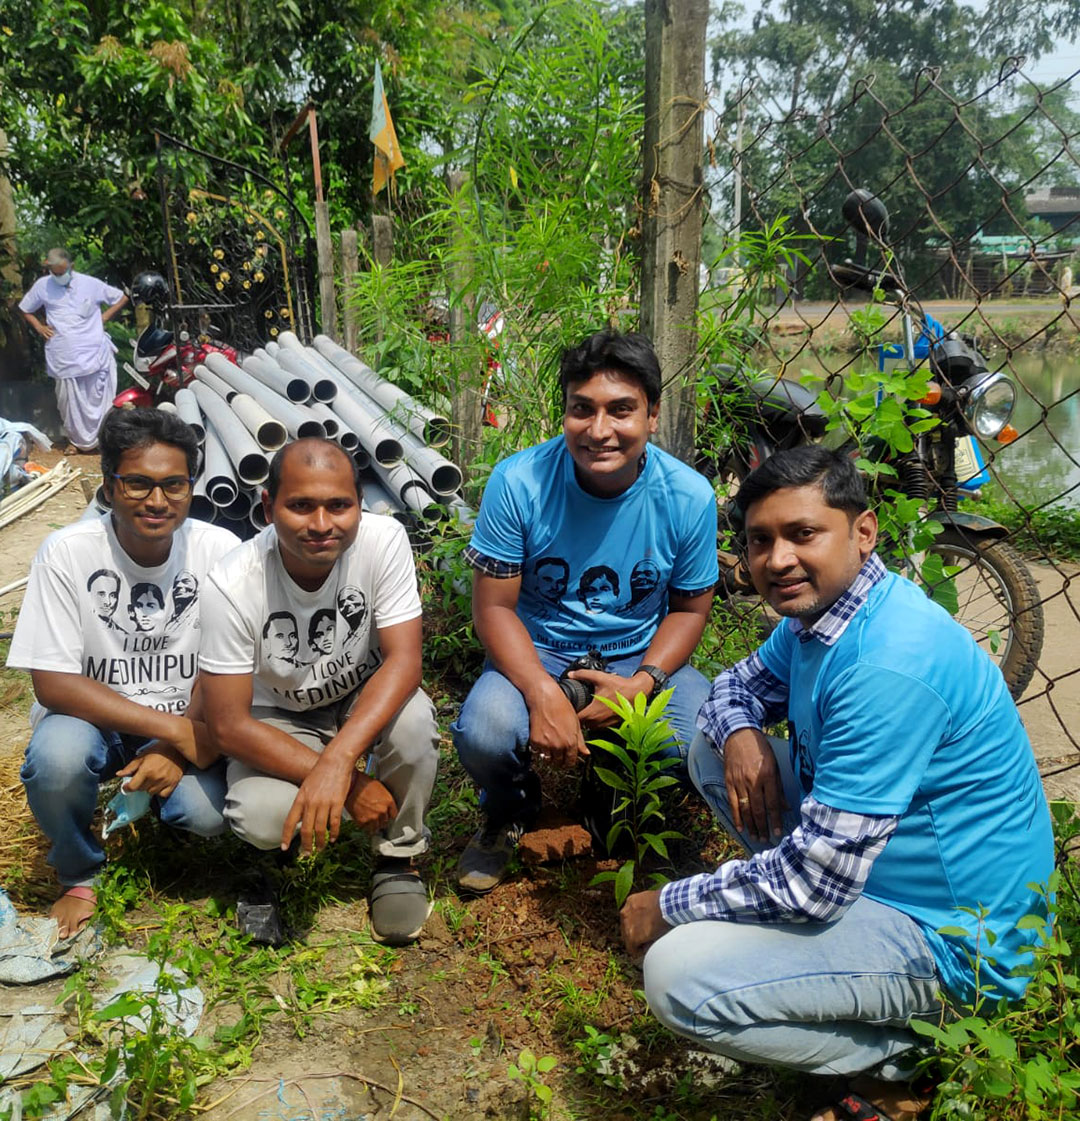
(299,731)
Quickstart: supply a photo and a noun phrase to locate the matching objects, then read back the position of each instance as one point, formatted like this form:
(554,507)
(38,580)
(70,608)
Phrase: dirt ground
(430,1032)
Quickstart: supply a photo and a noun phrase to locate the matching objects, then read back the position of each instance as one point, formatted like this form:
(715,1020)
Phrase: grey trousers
(405,759)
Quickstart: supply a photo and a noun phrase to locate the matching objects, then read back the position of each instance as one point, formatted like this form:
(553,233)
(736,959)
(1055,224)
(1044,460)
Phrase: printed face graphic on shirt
(552,578)
(146,606)
(185,589)
(598,588)
(104,589)
(353,606)
(282,637)
(321,631)
(644,580)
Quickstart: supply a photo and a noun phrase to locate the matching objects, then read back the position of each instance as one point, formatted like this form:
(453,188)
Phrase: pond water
(1043,465)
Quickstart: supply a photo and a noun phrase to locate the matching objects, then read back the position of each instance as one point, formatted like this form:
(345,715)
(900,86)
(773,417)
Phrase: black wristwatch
(658,676)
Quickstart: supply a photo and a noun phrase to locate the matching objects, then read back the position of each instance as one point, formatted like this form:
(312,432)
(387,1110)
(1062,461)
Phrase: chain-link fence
(983,236)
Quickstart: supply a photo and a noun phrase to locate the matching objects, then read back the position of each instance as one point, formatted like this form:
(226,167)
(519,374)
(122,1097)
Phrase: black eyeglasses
(139,486)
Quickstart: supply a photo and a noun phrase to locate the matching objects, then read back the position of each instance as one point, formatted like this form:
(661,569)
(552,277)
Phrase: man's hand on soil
(642,922)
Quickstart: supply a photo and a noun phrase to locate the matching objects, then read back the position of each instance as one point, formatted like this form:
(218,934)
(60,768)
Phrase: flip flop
(857,1108)
(398,903)
(88,895)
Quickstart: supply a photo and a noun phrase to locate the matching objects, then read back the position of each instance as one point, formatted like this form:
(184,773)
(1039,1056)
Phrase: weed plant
(1050,531)
(1014,1062)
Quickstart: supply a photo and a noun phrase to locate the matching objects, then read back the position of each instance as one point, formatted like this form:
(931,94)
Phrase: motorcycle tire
(999,603)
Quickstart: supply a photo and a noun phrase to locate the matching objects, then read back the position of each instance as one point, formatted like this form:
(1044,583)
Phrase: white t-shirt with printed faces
(308,649)
(91,610)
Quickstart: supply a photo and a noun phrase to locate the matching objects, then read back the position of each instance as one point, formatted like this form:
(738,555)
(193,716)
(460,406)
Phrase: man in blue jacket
(905,809)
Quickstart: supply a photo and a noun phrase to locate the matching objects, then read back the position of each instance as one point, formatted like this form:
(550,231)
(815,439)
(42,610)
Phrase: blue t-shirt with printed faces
(906,715)
(596,572)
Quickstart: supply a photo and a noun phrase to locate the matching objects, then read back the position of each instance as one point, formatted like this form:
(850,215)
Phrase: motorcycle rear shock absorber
(914,478)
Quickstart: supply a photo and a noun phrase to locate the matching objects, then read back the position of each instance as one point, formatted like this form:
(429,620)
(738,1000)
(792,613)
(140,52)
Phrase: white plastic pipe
(221,388)
(269,433)
(433,428)
(291,357)
(188,409)
(260,365)
(371,426)
(298,422)
(377,498)
(332,423)
(441,476)
(409,487)
(201,506)
(244,453)
(220,481)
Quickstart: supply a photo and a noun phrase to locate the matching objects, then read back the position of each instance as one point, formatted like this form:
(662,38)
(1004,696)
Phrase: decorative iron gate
(240,254)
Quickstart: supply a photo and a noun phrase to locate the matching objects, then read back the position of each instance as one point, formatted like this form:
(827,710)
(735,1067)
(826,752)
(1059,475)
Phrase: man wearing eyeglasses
(112,702)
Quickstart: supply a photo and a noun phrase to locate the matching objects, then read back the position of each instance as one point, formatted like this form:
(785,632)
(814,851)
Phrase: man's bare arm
(333,783)
(114,309)
(36,324)
(554,728)
(235,732)
(93,701)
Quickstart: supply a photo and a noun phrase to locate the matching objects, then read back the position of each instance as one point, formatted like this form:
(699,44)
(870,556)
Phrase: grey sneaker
(484,862)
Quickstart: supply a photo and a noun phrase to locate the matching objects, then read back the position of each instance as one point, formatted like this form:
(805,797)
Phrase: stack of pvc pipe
(243,413)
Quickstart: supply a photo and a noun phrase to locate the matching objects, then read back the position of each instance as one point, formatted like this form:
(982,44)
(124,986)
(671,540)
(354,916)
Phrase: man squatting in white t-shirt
(311,659)
(109,631)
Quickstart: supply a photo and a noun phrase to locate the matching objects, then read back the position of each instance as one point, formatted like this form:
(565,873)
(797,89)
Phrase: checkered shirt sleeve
(746,696)
(813,875)
(490,566)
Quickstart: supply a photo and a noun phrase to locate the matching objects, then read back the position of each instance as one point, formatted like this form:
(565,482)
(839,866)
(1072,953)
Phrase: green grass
(1052,532)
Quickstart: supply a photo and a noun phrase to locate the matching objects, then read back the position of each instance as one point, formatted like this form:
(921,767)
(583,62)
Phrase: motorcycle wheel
(999,603)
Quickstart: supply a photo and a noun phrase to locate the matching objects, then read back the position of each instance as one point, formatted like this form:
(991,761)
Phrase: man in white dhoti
(79,355)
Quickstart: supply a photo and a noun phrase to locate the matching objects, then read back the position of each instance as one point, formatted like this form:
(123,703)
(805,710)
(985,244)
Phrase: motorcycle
(996,596)
(159,367)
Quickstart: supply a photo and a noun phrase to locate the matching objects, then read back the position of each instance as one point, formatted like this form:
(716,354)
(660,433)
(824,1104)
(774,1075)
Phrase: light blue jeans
(68,759)
(824,998)
(491,733)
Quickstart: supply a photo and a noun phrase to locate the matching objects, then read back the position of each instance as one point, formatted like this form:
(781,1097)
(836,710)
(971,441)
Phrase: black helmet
(150,288)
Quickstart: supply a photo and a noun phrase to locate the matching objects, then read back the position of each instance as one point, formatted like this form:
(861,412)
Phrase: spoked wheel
(999,603)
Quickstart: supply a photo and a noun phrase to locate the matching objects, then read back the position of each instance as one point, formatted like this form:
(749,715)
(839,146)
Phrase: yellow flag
(388,156)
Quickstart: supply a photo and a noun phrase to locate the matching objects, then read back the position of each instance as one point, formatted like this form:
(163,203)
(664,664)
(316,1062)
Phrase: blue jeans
(491,734)
(824,998)
(68,759)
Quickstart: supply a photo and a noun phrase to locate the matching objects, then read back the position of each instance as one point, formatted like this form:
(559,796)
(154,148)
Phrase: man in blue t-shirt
(594,541)
(906,804)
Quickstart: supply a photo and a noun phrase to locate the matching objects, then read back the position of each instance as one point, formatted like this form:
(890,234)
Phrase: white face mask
(64,279)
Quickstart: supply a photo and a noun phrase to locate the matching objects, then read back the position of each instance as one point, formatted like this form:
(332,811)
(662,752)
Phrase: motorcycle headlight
(988,404)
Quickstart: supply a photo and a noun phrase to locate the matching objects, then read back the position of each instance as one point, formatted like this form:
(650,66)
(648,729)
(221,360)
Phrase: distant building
(1060,206)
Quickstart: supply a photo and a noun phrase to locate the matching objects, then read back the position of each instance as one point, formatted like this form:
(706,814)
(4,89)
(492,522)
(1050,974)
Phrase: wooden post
(672,205)
(382,249)
(382,238)
(350,265)
(325,245)
(467,399)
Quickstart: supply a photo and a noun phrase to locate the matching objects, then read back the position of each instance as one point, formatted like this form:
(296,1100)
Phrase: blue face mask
(64,279)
